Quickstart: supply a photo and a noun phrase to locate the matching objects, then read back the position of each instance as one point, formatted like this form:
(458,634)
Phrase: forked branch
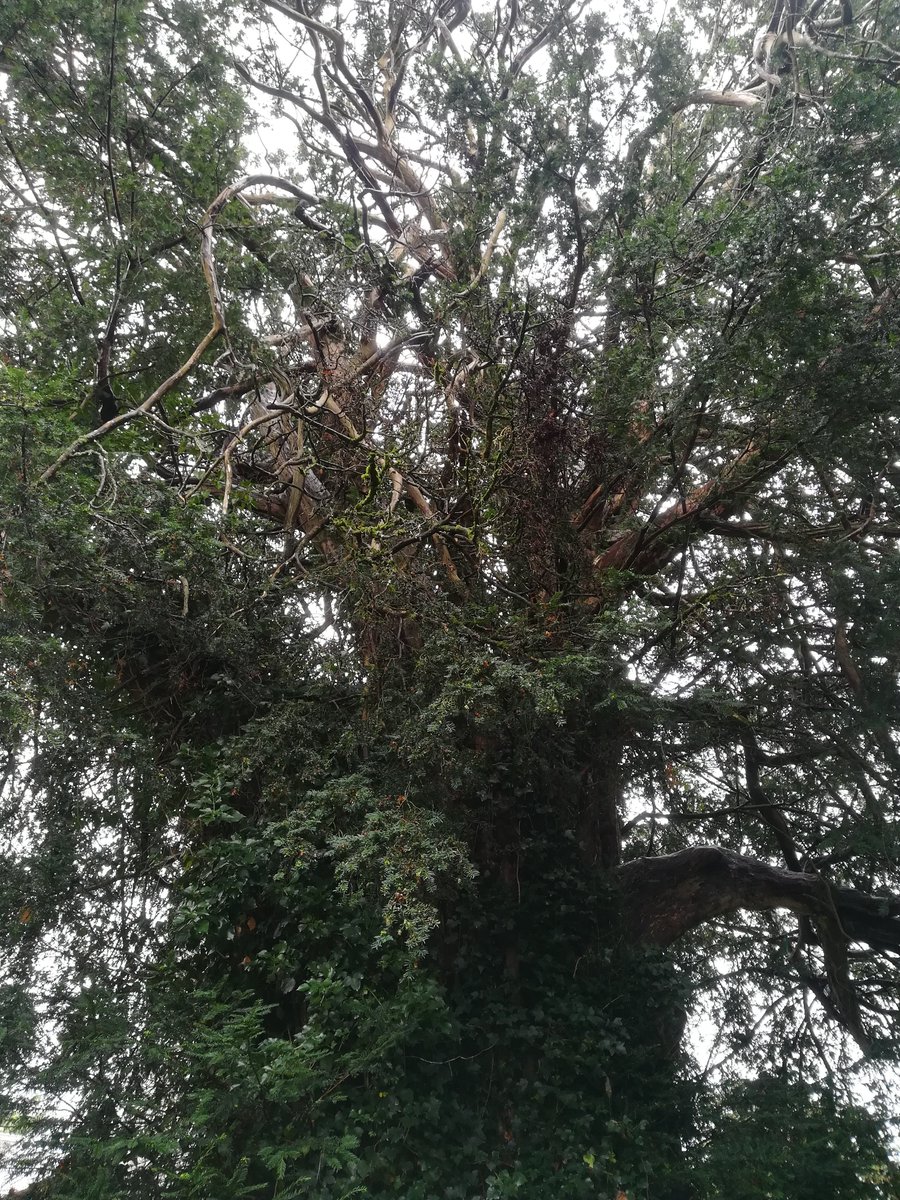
(667,896)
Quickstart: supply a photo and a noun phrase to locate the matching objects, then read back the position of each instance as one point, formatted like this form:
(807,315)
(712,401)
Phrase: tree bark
(667,896)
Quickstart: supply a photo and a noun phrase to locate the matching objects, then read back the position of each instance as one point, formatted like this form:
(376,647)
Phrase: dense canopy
(449,587)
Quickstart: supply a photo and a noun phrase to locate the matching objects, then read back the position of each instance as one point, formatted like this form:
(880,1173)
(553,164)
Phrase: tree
(449,581)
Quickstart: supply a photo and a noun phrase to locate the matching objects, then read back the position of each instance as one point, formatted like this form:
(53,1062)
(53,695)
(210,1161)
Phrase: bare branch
(207,262)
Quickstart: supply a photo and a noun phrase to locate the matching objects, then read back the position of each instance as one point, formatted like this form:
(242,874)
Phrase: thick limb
(667,896)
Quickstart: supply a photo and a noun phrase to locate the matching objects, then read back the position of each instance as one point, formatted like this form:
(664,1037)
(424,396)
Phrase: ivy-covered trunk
(484,983)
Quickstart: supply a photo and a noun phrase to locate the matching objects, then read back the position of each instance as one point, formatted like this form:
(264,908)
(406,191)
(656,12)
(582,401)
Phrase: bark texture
(667,896)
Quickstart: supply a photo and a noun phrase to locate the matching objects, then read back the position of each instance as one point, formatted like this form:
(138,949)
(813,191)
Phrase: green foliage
(312,824)
(825,1152)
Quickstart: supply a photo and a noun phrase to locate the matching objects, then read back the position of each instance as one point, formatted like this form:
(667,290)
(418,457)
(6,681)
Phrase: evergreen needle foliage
(449,595)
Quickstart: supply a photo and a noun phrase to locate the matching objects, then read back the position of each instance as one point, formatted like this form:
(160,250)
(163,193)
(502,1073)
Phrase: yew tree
(449,598)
